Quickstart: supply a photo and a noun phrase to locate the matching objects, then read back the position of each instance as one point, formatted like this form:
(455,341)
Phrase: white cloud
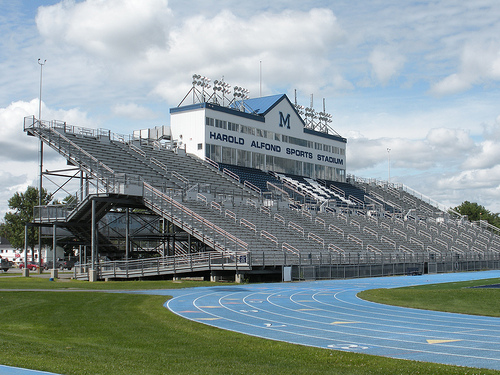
(107,28)
(147,44)
(386,64)
(479,64)
(450,141)
(134,111)
(473,179)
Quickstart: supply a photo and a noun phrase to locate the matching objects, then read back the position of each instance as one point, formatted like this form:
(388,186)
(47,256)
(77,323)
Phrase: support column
(54,272)
(127,234)
(93,271)
(26,271)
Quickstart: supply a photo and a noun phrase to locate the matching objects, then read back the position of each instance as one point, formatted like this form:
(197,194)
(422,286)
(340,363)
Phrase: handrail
(405,249)
(231,174)
(355,239)
(316,238)
(332,247)
(307,214)
(417,242)
(333,228)
(269,236)
(202,198)
(231,214)
(447,235)
(466,236)
(182,210)
(251,186)
(290,248)
(430,248)
(212,163)
(250,202)
(296,227)
(96,172)
(266,210)
(248,224)
(270,184)
(370,231)
(320,221)
(441,242)
(166,264)
(463,243)
(279,218)
(137,149)
(385,225)
(388,240)
(180,177)
(337,190)
(217,206)
(412,228)
(374,249)
(425,234)
(355,224)
(158,164)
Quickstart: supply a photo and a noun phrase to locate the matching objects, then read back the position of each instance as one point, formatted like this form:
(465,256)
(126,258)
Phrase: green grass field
(107,333)
(450,297)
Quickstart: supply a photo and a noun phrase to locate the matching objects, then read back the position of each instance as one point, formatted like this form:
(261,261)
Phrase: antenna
(260,79)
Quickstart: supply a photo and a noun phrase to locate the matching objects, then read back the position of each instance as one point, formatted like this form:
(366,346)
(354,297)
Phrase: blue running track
(327,314)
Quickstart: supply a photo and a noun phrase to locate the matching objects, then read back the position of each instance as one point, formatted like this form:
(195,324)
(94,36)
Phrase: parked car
(5,264)
(32,266)
(60,264)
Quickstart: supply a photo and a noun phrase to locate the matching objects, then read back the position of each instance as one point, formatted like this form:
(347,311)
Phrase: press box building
(266,133)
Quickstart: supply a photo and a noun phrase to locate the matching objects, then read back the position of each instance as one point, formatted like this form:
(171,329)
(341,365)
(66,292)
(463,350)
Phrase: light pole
(40,97)
(40,196)
(389,162)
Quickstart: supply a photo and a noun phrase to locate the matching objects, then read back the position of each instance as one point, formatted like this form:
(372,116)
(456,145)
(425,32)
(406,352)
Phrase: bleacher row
(342,229)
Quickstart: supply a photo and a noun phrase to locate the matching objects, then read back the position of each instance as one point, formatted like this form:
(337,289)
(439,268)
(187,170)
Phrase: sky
(421,78)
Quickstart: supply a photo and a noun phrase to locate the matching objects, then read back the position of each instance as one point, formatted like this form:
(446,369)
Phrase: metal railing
(166,265)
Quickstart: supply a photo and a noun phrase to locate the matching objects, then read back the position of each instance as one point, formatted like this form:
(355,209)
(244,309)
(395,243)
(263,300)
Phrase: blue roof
(260,106)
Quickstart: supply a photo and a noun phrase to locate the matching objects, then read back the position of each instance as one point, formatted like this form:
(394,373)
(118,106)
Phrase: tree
(22,205)
(476,212)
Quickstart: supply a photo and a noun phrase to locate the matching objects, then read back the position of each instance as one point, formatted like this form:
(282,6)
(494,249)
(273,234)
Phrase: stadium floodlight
(203,82)
(240,92)
(299,108)
(223,87)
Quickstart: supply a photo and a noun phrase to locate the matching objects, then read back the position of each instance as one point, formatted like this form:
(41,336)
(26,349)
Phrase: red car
(32,266)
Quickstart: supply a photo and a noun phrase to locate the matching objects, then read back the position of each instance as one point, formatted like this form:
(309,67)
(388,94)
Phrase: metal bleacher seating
(348,230)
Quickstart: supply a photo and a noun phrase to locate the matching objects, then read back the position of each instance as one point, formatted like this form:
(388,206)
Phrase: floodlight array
(310,113)
(240,92)
(299,108)
(222,86)
(324,117)
(201,81)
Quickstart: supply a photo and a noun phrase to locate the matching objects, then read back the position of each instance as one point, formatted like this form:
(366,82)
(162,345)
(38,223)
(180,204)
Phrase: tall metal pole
(389,162)
(40,196)
(260,79)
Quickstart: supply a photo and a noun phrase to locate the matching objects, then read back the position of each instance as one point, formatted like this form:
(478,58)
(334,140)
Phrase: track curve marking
(328,314)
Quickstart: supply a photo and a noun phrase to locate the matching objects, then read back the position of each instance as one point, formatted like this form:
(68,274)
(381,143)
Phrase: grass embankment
(108,333)
(451,297)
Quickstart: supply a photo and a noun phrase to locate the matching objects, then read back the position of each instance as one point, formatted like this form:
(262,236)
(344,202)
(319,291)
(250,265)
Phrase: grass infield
(106,333)
(458,297)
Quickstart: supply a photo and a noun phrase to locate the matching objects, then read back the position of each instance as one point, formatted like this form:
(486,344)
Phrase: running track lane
(327,314)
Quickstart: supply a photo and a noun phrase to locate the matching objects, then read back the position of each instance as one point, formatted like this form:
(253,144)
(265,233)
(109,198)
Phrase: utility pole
(389,162)
(40,196)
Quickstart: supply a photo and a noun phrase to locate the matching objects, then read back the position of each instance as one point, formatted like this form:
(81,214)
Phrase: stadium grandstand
(244,188)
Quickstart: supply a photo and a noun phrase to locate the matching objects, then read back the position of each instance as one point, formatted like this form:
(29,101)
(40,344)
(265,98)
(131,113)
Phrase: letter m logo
(284,121)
